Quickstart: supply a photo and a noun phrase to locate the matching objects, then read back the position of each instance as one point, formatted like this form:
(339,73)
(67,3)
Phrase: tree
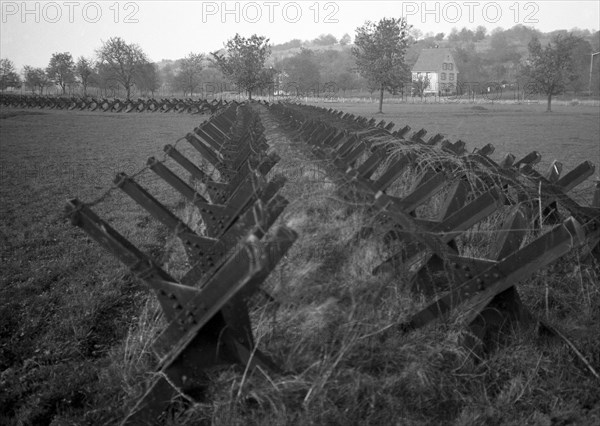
(301,72)
(550,68)
(8,75)
(292,44)
(345,81)
(345,40)
(582,49)
(61,69)
(379,50)
(325,40)
(188,76)
(244,61)
(84,69)
(121,61)
(416,33)
(147,78)
(105,80)
(421,84)
(36,78)
(480,33)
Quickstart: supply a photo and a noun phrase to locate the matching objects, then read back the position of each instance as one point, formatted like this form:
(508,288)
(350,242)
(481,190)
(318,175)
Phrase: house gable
(439,66)
(432,60)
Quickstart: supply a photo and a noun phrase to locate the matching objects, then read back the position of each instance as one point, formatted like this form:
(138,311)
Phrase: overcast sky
(170,30)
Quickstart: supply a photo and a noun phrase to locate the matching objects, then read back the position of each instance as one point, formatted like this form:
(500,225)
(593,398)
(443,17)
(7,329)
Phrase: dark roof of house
(432,59)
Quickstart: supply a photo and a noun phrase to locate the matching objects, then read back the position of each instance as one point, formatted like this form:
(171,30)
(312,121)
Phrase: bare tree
(121,61)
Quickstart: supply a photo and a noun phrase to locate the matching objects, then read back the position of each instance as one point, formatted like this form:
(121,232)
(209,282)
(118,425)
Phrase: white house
(439,66)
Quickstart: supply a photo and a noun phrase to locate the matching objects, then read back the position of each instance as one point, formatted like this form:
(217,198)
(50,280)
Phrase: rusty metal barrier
(90,103)
(482,288)
(208,321)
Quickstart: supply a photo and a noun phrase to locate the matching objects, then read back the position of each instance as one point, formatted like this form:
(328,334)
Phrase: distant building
(438,65)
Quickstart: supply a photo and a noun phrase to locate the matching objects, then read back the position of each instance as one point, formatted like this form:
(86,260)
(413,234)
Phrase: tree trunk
(381,100)
(250,94)
(128,94)
(548,109)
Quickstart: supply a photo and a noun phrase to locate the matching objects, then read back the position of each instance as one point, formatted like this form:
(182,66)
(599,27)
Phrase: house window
(444,66)
(450,66)
(451,76)
(443,76)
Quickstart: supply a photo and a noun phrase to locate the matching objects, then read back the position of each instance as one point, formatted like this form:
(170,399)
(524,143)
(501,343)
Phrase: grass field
(75,326)
(65,303)
(570,134)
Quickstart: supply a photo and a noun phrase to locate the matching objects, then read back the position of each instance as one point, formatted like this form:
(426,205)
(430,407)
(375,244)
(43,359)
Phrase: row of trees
(117,65)
(379,60)
(379,52)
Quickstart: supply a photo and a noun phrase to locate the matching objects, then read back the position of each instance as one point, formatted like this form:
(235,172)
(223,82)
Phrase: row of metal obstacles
(206,310)
(368,158)
(89,103)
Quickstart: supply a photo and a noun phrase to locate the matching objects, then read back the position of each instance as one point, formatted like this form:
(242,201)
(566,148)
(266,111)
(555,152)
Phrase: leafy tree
(421,84)
(581,52)
(147,78)
(301,72)
(36,78)
(325,40)
(121,61)
(292,44)
(167,76)
(105,80)
(61,69)
(480,33)
(84,70)
(345,40)
(188,76)
(8,75)
(345,81)
(268,78)
(244,61)
(214,81)
(454,37)
(416,33)
(470,64)
(379,50)
(550,68)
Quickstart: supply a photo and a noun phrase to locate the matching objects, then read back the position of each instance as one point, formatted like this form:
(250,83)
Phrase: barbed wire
(103,196)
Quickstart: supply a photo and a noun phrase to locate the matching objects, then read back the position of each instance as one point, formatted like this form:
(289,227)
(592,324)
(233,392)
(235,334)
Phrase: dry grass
(333,329)
(73,321)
